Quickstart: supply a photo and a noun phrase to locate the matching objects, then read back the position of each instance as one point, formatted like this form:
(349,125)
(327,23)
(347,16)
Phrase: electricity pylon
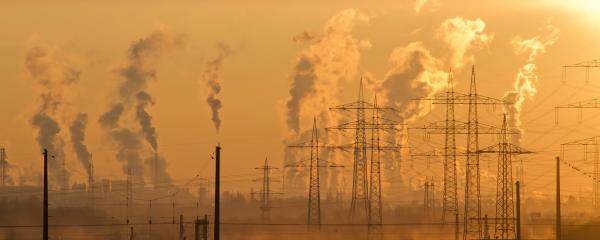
(314,164)
(472,216)
(375,208)
(360,202)
(595,174)
(265,193)
(586,65)
(429,198)
(505,219)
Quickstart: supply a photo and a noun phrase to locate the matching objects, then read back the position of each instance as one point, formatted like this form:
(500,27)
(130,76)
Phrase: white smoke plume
(419,5)
(133,97)
(462,35)
(53,78)
(77,131)
(526,81)
(212,77)
(331,55)
(415,73)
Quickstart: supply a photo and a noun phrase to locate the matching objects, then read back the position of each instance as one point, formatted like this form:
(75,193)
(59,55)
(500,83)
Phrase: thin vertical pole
(217,192)
(518,186)
(558,227)
(45,234)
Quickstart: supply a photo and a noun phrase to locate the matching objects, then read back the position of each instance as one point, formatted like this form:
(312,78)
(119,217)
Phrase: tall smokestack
(45,231)
(217,232)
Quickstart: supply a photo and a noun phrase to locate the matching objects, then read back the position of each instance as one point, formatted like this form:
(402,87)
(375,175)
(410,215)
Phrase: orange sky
(94,38)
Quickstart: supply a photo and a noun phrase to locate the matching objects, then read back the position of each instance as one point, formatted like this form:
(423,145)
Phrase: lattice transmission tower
(429,198)
(472,217)
(361,203)
(505,214)
(314,164)
(265,192)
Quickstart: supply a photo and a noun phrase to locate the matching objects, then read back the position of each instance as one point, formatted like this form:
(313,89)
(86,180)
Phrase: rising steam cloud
(462,35)
(77,130)
(419,5)
(415,73)
(331,56)
(526,81)
(212,76)
(133,97)
(53,77)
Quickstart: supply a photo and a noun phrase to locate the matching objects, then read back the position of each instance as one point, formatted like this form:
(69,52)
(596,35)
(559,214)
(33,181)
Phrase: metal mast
(472,224)
(265,193)
(360,203)
(505,225)
(360,196)
(375,210)
(505,217)
(314,163)
(429,200)
(450,197)
(314,191)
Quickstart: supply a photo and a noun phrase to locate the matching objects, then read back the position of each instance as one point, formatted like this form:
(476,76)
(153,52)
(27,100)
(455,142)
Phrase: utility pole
(45,230)
(558,224)
(217,232)
(181,230)
(518,186)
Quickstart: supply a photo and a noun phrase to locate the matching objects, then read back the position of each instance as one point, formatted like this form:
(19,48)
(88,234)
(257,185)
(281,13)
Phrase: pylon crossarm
(586,141)
(461,98)
(361,105)
(591,63)
(510,148)
(302,163)
(460,127)
(365,125)
(590,103)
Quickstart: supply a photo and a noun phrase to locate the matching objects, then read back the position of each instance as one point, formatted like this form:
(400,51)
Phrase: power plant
(379,120)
